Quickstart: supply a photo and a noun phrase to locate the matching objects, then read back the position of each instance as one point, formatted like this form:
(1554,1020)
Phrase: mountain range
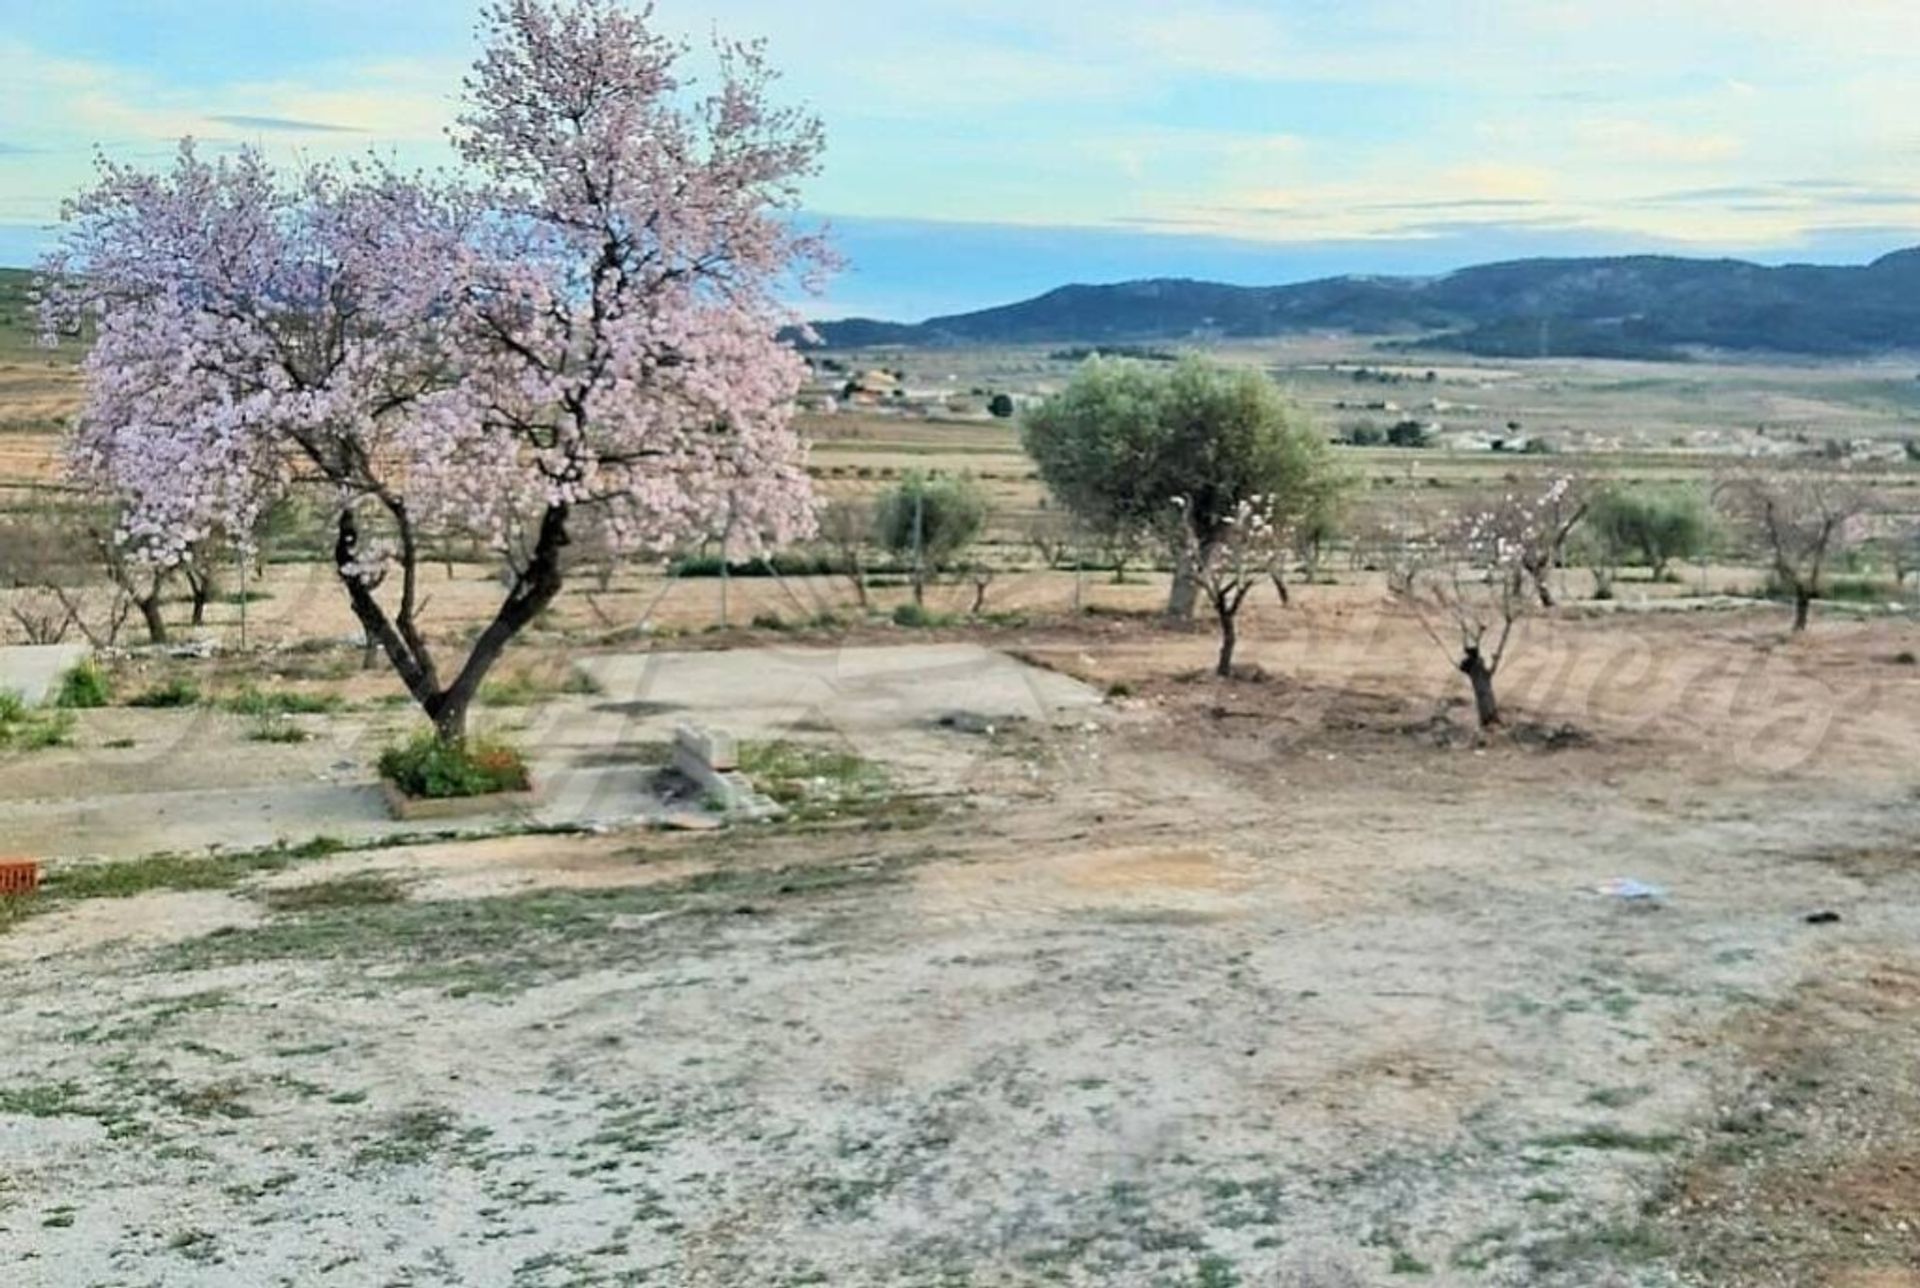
(1646,306)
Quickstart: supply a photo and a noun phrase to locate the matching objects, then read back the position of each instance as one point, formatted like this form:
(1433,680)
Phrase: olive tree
(1174,452)
(1095,444)
(1659,525)
(930,521)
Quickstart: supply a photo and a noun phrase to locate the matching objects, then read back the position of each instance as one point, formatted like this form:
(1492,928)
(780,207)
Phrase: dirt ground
(1284,981)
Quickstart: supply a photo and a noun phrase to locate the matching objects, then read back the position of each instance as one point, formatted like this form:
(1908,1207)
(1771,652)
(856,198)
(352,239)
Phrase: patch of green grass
(522,688)
(1215,1271)
(509,942)
(44,1100)
(361,890)
(1405,1263)
(417,1135)
(1606,1137)
(814,783)
(39,732)
(177,691)
(24,729)
(84,687)
(125,878)
(195,1245)
(250,701)
(1618,1097)
(1482,1249)
(1614,1245)
(215,1100)
(279,730)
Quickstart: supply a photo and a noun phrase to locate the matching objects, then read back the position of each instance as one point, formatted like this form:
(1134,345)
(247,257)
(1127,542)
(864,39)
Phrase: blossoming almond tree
(580,325)
(1472,587)
(1251,543)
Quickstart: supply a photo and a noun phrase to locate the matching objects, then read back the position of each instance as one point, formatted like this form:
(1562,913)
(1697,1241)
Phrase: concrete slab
(33,670)
(883,703)
(757,693)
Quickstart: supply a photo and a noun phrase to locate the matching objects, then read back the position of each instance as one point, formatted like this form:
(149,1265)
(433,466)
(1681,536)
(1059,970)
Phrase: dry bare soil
(1284,981)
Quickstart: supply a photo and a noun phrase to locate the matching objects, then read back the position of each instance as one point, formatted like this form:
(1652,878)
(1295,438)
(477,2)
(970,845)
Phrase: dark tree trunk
(1184,596)
(1280,589)
(399,636)
(1474,666)
(1226,606)
(1802,608)
(149,606)
(201,586)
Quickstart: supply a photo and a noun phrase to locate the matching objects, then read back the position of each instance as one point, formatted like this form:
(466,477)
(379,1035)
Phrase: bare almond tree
(51,557)
(1250,545)
(1547,534)
(1802,519)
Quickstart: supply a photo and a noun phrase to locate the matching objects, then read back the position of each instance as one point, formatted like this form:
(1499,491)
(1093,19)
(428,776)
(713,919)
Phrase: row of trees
(1215,467)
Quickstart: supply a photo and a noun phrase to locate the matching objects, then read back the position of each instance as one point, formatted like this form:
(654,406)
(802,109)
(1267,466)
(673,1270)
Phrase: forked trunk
(1474,666)
(201,586)
(1226,601)
(405,645)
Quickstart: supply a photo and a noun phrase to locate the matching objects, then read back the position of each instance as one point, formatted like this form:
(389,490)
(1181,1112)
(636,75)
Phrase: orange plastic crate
(19,876)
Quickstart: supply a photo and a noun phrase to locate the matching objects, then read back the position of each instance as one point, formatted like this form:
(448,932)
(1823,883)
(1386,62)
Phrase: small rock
(689,821)
(1823,919)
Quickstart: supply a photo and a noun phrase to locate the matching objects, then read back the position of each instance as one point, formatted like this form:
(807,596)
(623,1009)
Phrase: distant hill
(1645,306)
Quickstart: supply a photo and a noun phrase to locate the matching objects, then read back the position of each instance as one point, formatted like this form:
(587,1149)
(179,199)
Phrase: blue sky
(982,150)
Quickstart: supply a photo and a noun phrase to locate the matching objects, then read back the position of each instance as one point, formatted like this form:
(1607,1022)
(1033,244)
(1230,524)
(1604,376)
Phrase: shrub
(84,687)
(1658,525)
(1364,435)
(769,622)
(429,768)
(176,692)
(919,617)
